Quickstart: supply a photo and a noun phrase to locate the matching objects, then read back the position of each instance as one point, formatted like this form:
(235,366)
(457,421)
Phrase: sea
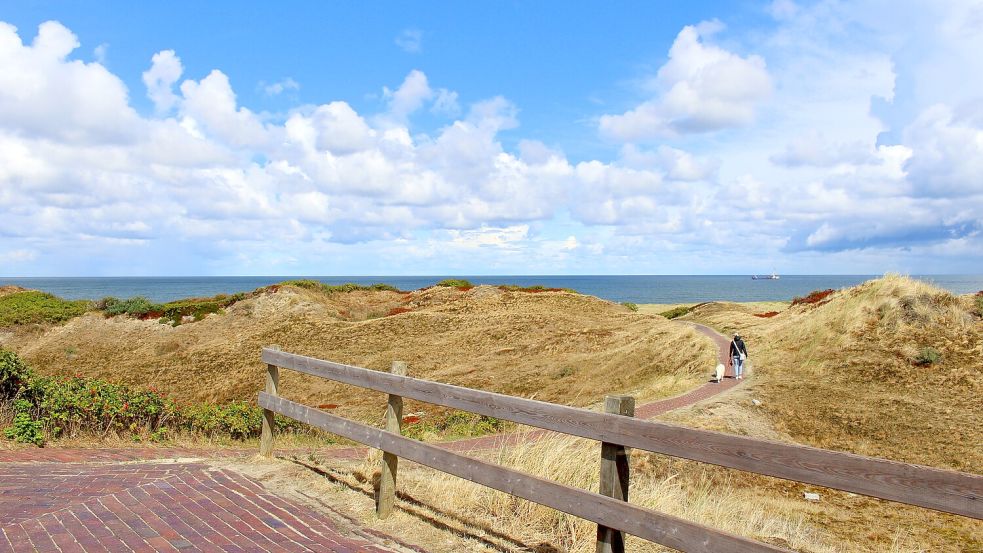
(619,288)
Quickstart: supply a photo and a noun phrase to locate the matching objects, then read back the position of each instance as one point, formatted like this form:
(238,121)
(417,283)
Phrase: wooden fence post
(614,475)
(394,418)
(272,388)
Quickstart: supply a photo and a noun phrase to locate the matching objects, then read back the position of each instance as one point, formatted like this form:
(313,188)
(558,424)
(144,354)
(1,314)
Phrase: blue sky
(505,138)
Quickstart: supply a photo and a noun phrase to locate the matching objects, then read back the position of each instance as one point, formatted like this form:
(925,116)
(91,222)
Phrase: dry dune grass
(700,495)
(555,346)
(844,374)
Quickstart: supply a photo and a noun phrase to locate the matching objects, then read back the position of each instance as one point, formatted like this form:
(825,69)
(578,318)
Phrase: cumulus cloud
(164,72)
(206,180)
(701,88)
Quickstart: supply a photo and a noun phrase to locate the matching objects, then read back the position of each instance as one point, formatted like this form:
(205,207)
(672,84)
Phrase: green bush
(928,356)
(24,428)
(171,312)
(979,303)
(136,306)
(48,407)
(631,306)
(33,307)
(455,283)
(676,312)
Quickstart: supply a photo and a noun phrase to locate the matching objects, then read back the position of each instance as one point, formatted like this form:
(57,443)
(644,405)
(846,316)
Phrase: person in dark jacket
(738,354)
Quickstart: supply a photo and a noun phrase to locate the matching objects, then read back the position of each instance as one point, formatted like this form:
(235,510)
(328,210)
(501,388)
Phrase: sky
(384,138)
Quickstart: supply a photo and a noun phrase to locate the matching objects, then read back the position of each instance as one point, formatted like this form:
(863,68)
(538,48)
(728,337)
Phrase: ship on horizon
(772,276)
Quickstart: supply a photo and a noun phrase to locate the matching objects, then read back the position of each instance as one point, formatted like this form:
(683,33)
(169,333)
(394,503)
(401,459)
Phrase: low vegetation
(454,425)
(47,408)
(173,313)
(630,306)
(677,312)
(319,286)
(33,307)
(455,283)
(928,356)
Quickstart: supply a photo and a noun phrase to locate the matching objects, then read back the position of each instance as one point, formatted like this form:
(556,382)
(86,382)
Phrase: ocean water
(633,288)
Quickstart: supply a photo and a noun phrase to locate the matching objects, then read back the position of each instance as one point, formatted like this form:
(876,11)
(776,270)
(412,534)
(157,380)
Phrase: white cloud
(211,102)
(410,96)
(410,41)
(207,182)
(99,53)
(280,87)
(701,88)
(164,72)
(43,94)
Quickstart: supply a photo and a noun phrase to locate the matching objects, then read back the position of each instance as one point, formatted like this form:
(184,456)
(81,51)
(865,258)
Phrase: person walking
(738,354)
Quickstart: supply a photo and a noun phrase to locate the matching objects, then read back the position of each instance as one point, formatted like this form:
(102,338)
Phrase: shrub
(171,312)
(978,300)
(455,283)
(631,306)
(48,407)
(24,428)
(33,307)
(928,356)
(676,312)
(137,306)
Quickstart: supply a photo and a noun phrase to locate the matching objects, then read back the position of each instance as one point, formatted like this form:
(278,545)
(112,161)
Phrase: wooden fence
(941,490)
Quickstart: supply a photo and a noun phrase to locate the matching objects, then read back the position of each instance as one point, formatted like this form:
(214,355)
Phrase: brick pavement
(88,504)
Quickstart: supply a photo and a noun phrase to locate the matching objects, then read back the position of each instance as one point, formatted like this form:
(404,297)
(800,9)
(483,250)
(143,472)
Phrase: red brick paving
(87,504)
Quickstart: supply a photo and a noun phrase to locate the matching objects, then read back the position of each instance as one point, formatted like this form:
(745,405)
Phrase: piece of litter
(809,496)
(756,402)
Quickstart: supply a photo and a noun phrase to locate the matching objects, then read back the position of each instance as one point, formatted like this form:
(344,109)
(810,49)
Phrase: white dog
(720,372)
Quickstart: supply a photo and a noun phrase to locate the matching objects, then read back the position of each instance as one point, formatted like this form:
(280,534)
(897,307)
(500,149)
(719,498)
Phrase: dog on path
(720,372)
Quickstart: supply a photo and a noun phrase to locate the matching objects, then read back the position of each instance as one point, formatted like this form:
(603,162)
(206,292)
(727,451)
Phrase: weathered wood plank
(390,463)
(651,525)
(266,433)
(942,490)
(614,475)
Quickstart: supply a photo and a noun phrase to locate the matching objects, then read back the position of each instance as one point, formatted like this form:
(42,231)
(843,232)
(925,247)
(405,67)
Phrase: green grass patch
(33,307)
(676,312)
(458,424)
(47,408)
(455,283)
(928,356)
(630,306)
(319,286)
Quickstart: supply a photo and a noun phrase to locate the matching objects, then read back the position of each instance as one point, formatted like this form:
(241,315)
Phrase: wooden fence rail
(941,490)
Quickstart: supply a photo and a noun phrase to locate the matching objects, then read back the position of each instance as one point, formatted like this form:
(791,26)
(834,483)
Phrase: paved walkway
(84,503)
